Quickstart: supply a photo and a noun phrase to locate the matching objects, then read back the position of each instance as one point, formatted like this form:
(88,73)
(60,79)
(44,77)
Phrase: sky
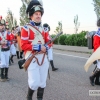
(59,10)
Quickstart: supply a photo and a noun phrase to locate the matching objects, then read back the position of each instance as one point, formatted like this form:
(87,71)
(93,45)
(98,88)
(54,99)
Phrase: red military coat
(27,34)
(12,37)
(96,40)
(7,37)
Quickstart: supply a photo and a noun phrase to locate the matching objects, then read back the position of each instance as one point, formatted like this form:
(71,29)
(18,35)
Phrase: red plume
(0,17)
(6,23)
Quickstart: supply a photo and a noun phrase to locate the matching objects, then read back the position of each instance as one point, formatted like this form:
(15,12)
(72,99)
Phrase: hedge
(72,39)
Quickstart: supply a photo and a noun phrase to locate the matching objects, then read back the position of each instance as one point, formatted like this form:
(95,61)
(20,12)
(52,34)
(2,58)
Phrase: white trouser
(98,64)
(37,75)
(0,52)
(13,49)
(50,54)
(5,59)
(17,49)
(0,55)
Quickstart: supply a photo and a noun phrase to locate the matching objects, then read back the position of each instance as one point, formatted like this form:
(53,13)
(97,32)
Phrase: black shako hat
(34,6)
(2,22)
(46,26)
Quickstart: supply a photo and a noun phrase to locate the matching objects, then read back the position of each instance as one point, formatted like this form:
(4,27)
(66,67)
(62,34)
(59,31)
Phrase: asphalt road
(70,82)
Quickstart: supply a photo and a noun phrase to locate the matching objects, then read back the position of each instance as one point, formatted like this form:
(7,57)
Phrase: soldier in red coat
(94,79)
(50,51)
(0,51)
(12,47)
(19,51)
(33,40)
(5,50)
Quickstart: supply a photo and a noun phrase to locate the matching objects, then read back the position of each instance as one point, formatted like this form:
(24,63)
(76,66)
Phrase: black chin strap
(37,24)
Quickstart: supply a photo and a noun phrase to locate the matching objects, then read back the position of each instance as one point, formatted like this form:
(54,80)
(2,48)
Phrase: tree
(58,29)
(23,16)
(10,19)
(77,24)
(97,7)
(15,22)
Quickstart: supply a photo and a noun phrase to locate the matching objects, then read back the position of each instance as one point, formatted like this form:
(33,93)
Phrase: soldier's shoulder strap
(33,28)
(29,26)
(5,34)
(37,32)
(38,37)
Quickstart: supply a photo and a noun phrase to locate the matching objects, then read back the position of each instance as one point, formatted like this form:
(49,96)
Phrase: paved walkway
(72,48)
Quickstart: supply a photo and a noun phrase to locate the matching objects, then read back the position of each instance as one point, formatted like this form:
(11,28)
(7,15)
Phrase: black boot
(2,75)
(97,72)
(30,94)
(52,65)
(40,93)
(9,61)
(6,74)
(17,52)
(97,81)
(21,53)
(0,72)
(11,58)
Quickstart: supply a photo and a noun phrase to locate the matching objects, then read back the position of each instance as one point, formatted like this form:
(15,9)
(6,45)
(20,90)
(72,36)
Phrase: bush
(62,39)
(72,39)
(56,41)
(77,39)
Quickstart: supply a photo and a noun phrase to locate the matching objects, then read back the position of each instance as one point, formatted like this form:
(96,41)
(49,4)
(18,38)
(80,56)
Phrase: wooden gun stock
(28,61)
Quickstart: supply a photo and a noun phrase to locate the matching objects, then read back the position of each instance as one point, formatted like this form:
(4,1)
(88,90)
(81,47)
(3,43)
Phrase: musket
(24,63)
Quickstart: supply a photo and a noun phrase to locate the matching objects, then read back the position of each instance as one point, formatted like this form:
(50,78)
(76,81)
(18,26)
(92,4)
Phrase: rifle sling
(36,60)
(41,61)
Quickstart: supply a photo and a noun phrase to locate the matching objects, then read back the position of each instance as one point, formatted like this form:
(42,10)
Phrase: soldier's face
(12,31)
(8,30)
(1,28)
(36,17)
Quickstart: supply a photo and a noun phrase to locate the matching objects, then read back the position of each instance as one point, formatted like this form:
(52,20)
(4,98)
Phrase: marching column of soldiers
(13,42)
(8,49)
(30,39)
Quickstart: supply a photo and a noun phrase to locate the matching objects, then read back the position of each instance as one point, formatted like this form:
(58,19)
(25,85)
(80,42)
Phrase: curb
(77,49)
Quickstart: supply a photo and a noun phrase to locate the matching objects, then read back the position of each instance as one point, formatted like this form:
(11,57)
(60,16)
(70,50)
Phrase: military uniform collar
(35,24)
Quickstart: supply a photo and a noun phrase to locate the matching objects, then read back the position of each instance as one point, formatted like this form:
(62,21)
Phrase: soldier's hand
(43,48)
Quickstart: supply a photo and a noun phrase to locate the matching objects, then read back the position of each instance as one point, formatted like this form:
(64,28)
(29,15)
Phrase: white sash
(3,37)
(38,37)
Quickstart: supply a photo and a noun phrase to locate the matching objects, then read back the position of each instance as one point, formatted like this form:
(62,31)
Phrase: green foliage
(23,17)
(72,39)
(62,39)
(56,41)
(58,30)
(76,23)
(97,7)
(77,39)
(15,22)
(12,22)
